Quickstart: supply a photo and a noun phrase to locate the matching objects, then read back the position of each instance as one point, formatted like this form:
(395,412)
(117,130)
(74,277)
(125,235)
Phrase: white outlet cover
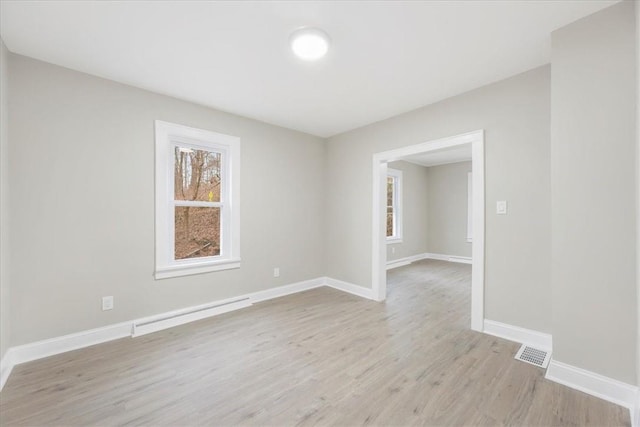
(276,272)
(107,303)
(501,207)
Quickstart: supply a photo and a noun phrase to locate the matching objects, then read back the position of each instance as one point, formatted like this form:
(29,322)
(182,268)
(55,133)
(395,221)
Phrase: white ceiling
(386,57)
(460,153)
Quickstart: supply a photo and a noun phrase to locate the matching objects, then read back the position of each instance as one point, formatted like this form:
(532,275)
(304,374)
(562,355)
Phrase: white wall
(593,193)
(414,211)
(515,115)
(4,219)
(82,203)
(448,200)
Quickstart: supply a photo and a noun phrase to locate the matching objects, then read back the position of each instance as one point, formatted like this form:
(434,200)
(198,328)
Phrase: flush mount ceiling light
(309,43)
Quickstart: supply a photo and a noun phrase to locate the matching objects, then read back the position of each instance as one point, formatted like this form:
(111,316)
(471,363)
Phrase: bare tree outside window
(197,177)
(390,187)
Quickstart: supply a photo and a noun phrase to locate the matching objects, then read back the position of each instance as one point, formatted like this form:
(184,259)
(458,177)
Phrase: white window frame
(167,136)
(469,207)
(397,206)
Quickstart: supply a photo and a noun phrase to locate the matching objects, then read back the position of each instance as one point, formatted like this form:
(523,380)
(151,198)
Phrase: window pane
(197,232)
(389,191)
(389,222)
(197,174)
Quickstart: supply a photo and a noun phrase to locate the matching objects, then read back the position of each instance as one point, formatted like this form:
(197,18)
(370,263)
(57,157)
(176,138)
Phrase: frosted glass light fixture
(309,44)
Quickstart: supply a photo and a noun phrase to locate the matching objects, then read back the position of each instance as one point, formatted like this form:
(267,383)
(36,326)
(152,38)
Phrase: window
(394,206)
(197,206)
(469,207)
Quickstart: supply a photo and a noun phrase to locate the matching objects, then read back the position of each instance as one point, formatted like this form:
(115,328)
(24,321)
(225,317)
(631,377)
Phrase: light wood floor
(321,357)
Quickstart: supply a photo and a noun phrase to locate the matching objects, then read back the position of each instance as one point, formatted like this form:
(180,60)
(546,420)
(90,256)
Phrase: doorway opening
(474,140)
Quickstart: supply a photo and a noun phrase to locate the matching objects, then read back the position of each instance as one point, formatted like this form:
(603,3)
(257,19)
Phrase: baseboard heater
(151,324)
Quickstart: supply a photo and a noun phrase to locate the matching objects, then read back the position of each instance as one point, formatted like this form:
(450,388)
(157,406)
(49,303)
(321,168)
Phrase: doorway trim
(379,247)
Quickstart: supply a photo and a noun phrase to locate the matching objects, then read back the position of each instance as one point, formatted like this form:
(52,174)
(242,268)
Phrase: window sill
(393,240)
(199,268)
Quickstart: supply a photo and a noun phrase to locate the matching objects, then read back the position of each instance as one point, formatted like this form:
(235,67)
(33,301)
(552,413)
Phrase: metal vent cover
(533,356)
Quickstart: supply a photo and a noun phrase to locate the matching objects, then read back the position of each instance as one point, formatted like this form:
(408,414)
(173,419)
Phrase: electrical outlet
(501,207)
(107,303)
(276,272)
(393,250)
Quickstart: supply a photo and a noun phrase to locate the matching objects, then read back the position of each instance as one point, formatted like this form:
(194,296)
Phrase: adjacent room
(429,207)
(319,213)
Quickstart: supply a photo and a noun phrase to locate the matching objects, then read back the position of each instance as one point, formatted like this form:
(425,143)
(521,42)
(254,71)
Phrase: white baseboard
(6,365)
(520,335)
(397,263)
(635,413)
(450,258)
(460,259)
(606,388)
(49,347)
(286,290)
(437,256)
(39,349)
(349,288)
(45,348)
(400,262)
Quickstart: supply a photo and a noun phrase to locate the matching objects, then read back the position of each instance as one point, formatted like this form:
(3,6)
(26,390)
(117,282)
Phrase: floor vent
(533,356)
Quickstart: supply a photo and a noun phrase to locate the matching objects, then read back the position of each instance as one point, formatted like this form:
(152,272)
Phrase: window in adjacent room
(469,207)
(197,206)
(394,206)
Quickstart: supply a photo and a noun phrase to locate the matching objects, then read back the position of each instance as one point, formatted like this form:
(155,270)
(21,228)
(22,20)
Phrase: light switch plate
(501,207)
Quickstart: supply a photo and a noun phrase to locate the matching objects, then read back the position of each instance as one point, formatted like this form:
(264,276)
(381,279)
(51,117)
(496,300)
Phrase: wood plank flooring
(322,357)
